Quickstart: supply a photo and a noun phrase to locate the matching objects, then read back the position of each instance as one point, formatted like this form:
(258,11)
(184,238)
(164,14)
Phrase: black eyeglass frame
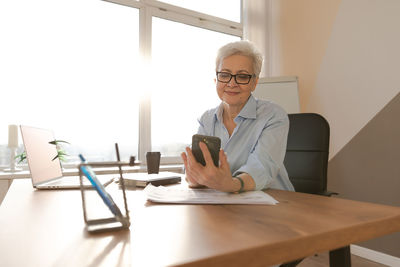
(234,75)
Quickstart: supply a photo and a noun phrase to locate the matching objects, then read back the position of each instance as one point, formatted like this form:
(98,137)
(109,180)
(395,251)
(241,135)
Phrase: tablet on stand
(106,216)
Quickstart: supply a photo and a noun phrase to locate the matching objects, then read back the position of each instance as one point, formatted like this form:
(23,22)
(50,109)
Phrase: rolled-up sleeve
(265,161)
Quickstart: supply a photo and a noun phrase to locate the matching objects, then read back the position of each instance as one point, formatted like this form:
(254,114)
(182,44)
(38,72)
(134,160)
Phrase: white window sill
(110,170)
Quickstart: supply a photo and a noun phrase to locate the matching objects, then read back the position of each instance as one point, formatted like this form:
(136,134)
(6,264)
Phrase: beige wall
(301,30)
(346,54)
(367,169)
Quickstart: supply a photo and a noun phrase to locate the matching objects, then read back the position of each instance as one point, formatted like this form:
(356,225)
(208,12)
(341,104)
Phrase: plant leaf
(55,142)
(60,155)
(21,157)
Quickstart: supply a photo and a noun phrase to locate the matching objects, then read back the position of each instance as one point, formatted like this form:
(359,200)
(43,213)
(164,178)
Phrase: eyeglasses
(241,78)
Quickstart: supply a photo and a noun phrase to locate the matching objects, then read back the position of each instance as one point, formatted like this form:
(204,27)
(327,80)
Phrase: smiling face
(233,94)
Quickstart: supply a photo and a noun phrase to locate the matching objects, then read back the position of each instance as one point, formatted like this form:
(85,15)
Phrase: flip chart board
(280,90)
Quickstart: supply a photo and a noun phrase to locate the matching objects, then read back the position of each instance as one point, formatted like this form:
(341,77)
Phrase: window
(75,67)
(184,90)
(71,66)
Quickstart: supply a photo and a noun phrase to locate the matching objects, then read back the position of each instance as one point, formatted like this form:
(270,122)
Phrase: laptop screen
(40,154)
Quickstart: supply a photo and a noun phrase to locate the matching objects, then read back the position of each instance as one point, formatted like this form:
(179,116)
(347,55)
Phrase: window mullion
(194,18)
(145,31)
(130,3)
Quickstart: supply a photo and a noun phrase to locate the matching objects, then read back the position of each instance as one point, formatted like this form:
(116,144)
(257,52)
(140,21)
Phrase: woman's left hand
(219,178)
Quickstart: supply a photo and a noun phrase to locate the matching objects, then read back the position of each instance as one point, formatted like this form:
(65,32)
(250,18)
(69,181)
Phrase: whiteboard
(280,90)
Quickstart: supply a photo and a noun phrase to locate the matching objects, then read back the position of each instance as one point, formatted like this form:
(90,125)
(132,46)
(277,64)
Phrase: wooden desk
(45,228)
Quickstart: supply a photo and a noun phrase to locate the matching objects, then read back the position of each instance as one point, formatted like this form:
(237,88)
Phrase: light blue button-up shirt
(257,145)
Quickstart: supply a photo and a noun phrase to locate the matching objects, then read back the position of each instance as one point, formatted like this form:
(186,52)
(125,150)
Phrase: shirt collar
(249,111)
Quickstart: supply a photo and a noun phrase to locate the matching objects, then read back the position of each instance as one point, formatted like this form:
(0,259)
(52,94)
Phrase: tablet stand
(104,224)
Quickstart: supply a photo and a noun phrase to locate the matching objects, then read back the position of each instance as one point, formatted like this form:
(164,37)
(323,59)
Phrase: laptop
(46,172)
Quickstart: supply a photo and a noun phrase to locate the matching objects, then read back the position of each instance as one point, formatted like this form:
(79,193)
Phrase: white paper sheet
(182,194)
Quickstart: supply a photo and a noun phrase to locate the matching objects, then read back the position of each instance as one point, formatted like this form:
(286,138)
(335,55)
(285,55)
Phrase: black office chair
(307,152)
(306,158)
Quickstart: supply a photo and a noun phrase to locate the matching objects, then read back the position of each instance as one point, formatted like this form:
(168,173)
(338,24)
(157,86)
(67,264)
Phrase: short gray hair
(244,48)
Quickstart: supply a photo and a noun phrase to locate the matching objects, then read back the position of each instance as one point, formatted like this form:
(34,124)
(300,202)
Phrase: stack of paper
(182,194)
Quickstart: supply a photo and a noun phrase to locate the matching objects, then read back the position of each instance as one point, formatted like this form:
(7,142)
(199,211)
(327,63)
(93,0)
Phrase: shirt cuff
(262,178)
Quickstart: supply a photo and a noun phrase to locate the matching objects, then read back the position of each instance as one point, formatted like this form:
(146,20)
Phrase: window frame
(152,8)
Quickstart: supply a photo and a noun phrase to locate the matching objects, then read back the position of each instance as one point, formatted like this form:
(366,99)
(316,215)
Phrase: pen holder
(97,213)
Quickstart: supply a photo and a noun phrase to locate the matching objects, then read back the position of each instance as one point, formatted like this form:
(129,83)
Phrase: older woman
(253,132)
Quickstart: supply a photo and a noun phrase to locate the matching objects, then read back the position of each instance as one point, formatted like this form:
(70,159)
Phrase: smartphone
(213,144)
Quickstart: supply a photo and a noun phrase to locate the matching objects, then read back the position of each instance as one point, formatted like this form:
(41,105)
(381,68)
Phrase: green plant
(21,157)
(60,152)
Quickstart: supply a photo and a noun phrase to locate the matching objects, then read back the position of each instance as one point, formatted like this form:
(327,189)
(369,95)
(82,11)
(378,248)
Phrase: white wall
(359,73)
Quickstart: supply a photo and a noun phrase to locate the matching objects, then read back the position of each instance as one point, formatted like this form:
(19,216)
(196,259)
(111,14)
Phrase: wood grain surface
(46,228)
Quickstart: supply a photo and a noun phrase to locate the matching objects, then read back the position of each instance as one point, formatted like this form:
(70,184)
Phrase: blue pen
(107,199)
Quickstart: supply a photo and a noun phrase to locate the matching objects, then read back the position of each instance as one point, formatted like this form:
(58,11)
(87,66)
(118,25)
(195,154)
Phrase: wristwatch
(241,189)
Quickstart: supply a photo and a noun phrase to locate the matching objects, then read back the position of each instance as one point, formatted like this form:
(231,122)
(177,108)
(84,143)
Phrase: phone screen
(213,144)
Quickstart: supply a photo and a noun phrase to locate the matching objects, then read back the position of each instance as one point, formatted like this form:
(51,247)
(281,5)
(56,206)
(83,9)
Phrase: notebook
(46,172)
(142,179)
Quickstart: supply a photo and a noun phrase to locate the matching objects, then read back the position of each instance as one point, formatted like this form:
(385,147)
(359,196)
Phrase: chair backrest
(307,151)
